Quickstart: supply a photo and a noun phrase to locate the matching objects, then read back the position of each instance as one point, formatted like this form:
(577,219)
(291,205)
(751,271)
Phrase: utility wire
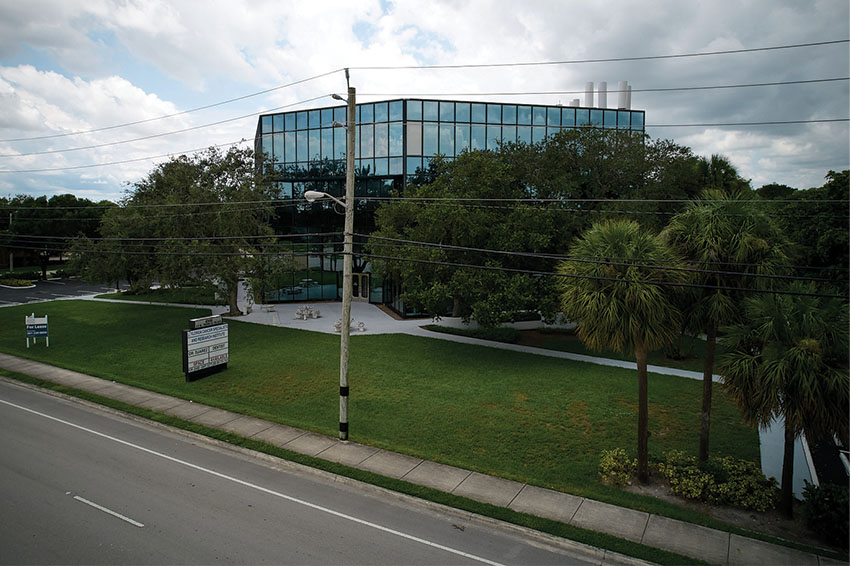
(163,134)
(558,92)
(176,113)
(596,278)
(608,60)
(630,262)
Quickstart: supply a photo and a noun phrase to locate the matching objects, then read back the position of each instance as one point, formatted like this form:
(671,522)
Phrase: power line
(559,92)
(176,113)
(596,278)
(163,134)
(608,60)
(608,261)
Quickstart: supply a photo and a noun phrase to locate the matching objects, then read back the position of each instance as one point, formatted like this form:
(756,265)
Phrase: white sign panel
(205,348)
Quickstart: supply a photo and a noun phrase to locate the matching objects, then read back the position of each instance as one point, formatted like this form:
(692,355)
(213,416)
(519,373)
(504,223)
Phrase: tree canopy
(191,218)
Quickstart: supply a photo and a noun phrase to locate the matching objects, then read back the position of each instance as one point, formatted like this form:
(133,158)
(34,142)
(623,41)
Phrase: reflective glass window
(478,139)
(539,116)
(494,113)
(462,112)
(285,190)
(523,134)
(301,140)
(315,145)
(414,109)
(289,146)
(610,118)
(413,165)
(267,146)
(396,139)
(582,117)
(637,120)
(357,142)
(315,119)
(289,121)
(461,138)
(596,117)
(367,140)
(414,138)
(509,134)
(366,166)
(277,122)
(367,113)
(327,117)
(553,116)
(339,143)
(623,122)
(568,117)
(426,162)
(382,166)
(479,113)
(266,123)
(523,115)
(278,147)
(429,139)
(302,120)
(339,114)
(538,133)
(382,142)
(327,143)
(508,114)
(396,166)
(381,112)
(430,111)
(447,111)
(494,136)
(396,107)
(447,139)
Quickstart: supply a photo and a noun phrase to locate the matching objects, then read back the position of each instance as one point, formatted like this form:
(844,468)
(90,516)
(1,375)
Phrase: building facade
(396,139)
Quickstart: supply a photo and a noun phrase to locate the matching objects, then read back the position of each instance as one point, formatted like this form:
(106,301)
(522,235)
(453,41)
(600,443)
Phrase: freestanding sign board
(206,347)
(36,326)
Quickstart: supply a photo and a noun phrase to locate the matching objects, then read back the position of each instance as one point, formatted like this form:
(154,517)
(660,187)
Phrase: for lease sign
(205,348)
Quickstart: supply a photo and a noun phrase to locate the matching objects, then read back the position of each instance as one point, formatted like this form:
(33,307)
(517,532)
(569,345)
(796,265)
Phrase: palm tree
(788,358)
(728,237)
(621,303)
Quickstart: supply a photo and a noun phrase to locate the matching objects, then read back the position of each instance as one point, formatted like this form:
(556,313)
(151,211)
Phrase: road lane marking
(109,511)
(260,488)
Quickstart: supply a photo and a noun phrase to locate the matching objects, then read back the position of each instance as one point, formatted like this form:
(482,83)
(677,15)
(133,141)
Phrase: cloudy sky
(70,70)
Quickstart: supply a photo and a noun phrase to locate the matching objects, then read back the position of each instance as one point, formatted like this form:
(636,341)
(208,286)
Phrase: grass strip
(556,528)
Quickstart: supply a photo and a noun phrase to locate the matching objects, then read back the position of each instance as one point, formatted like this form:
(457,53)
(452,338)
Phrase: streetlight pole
(348,250)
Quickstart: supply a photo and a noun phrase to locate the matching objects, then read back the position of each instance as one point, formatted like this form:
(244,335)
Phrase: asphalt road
(83,485)
(51,290)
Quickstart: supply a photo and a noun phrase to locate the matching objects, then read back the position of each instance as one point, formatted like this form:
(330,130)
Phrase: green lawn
(189,295)
(530,418)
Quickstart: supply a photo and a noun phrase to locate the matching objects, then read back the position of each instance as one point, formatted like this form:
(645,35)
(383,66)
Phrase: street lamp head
(338,97)
(313,196)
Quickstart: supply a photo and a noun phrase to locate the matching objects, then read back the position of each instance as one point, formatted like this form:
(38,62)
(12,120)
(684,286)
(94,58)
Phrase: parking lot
(50,290)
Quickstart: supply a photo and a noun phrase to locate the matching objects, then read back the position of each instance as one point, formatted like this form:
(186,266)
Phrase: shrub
(616,468)
(825,512)
(724,481)
(9,282)
(496,334)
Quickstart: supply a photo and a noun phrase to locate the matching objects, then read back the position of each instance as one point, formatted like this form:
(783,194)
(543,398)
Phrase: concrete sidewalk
(716,547)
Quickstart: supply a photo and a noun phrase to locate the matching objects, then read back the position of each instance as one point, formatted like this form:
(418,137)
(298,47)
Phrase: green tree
(788,359)
(621,303)
(729,238)
(190,219)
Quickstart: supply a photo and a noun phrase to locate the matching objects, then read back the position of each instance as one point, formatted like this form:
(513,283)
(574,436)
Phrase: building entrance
(360,287)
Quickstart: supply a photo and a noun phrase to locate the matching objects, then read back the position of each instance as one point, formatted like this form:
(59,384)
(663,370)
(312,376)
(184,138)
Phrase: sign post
(36,326)
(206,348)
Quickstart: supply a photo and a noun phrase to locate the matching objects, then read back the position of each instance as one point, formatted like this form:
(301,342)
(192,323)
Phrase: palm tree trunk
(708,370)
(643,416)
(786,498)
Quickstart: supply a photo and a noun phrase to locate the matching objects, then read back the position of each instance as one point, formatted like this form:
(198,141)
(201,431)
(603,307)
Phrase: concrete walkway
(716,547)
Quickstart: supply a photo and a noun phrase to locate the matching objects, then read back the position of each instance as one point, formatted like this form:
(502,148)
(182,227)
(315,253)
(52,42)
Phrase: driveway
(50,290)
